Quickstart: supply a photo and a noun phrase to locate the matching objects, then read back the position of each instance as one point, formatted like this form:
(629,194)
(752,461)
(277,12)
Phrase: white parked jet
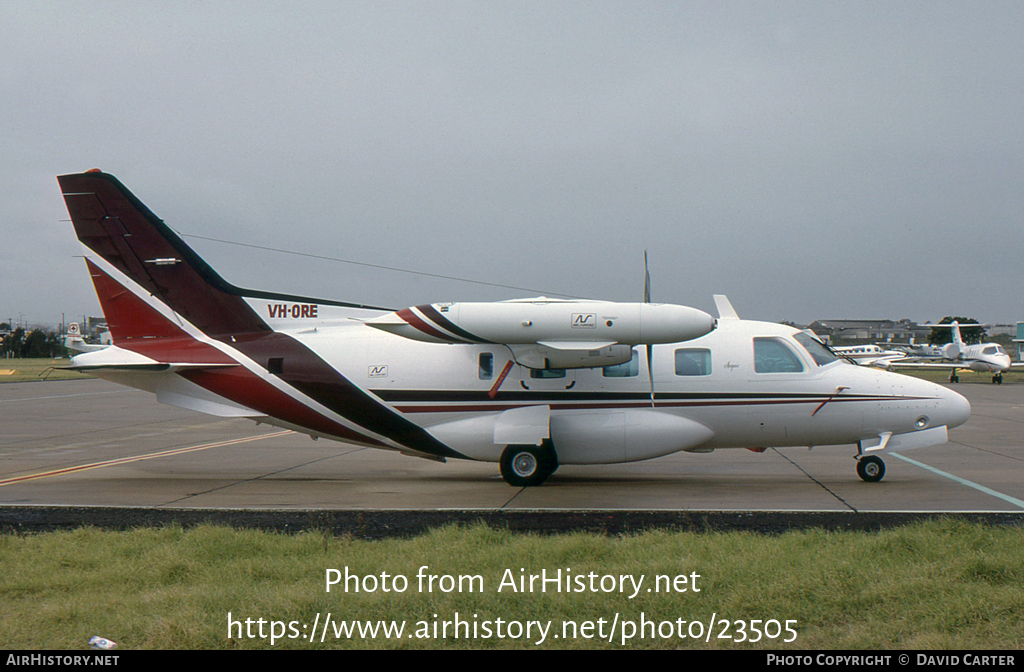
(529,384)
(981,357)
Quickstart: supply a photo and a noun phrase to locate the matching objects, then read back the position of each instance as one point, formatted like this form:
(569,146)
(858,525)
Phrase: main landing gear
(871,468)
(523,466)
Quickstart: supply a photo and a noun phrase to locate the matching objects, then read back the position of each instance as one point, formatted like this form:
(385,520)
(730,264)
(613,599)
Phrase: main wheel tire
(871,468)
(523,466)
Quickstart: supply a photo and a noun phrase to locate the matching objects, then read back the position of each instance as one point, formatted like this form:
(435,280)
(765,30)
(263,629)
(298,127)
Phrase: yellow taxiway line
(139,458)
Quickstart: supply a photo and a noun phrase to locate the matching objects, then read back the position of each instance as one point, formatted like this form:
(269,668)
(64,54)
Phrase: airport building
(870,330)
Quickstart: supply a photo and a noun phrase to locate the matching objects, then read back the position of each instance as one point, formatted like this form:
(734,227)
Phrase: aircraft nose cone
(955,408)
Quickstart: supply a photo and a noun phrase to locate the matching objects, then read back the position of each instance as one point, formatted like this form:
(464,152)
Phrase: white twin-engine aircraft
(531,384)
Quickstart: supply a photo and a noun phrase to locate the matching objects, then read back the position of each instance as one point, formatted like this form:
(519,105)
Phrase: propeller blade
(647,281)
(650,348)
(650,370)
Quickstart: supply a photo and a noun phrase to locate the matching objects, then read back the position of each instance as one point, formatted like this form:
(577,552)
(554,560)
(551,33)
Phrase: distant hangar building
(870,330)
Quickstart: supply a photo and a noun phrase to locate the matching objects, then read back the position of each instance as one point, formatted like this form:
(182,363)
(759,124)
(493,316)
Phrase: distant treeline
(35,343)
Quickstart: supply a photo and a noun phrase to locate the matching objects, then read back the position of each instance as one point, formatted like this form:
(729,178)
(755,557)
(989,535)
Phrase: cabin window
(819,353)
(547,373)
(625,370)
(275,365)
(693,362)
(771,355)
(486,366)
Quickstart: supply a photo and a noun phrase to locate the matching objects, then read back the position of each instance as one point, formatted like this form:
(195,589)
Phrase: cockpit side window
(818,352)
(772,355)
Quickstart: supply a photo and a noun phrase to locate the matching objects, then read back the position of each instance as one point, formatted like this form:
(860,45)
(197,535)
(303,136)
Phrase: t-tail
(197,341)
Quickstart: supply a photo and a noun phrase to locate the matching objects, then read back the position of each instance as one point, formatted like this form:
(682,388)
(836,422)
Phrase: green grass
(966,376)
(939,585)
(30,369)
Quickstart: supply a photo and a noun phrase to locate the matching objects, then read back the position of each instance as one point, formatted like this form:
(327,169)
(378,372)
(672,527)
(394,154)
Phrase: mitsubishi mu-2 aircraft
(531,384)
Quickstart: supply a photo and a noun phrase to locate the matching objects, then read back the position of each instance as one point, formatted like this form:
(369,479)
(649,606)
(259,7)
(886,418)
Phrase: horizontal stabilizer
(157,366)
(117,358)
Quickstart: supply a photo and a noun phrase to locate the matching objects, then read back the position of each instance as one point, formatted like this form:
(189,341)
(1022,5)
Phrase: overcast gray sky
(809,159)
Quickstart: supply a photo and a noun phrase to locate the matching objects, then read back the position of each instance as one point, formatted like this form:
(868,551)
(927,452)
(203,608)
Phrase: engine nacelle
(542,320)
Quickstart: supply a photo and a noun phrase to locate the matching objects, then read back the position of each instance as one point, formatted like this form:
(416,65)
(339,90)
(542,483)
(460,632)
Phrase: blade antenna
(649,346)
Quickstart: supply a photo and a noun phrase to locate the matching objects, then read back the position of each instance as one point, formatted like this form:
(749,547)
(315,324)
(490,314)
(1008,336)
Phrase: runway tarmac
(91,443)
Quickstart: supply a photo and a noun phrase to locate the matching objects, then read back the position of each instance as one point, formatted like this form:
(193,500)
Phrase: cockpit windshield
(819,352)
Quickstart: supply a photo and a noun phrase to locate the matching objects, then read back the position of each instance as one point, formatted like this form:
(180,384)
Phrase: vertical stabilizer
(115,225)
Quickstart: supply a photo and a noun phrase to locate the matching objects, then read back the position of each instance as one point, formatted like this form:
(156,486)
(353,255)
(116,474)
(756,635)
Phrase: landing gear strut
(871,468)
(523,466)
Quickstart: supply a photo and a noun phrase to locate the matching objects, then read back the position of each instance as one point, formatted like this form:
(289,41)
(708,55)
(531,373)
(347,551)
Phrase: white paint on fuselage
(742,408)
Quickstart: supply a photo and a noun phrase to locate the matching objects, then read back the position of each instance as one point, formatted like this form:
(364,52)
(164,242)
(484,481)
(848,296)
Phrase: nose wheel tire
(523,466)
(871,468)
